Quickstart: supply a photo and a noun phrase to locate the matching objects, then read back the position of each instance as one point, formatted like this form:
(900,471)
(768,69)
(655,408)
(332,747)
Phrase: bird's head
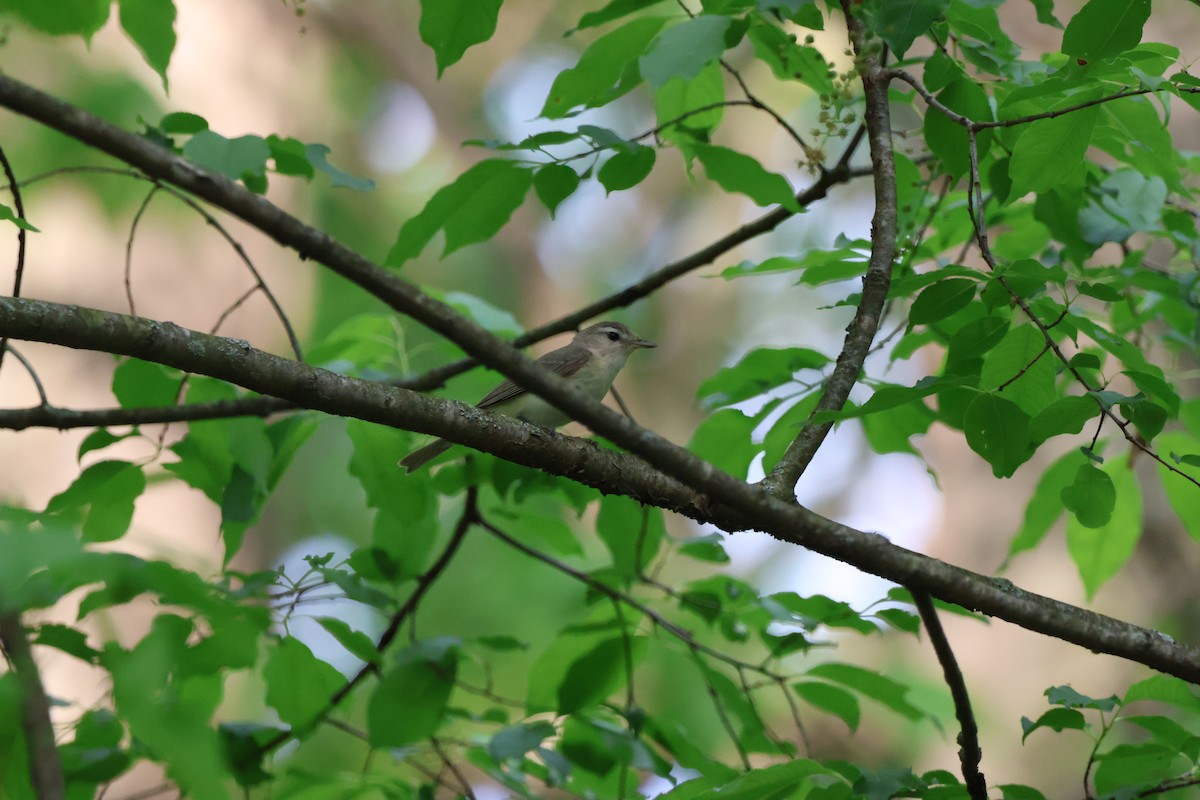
(610,338)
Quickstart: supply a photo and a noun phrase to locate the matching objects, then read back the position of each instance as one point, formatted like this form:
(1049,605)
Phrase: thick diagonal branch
(707,494)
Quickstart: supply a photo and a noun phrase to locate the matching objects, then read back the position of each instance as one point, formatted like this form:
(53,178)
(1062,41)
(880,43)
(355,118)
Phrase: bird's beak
(642,343)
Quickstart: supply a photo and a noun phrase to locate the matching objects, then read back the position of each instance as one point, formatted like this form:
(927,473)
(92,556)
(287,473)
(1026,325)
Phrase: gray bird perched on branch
(590,363)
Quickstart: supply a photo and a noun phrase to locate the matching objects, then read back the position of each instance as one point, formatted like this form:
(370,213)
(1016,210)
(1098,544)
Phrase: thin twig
(463,783)
(19,273)
(133,226)
(722,714)
(680,633)
(969,752)
(33,376)
(1045,349)
(260,283)
(424,582)
(979,125)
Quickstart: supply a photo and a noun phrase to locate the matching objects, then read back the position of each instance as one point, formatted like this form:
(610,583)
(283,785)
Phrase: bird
(590,363)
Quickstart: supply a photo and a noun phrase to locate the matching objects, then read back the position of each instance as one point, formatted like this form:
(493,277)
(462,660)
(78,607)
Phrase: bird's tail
(418,458)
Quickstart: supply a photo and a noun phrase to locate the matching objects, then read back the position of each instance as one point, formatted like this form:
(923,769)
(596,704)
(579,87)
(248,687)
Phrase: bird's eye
(613,336)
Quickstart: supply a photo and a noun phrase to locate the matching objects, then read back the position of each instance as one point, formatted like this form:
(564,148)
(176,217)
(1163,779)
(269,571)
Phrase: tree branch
(781,480)
(707,495)
(401,295)
(969,752)
(45,766)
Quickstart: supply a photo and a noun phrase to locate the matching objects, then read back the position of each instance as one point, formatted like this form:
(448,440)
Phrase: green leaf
(412,699)
(947,139)
(973,340)
(407,521)
(39,565)
(632,532)
(1129,767)
(1182,494)
(8,215)
(615,9)
(816,610)
(1163,730)
(831,699)
(1068,697)
(757,372)
(1045,15)
(899,24)
(543,531)
(241,159)
(765,783)
(318,156)
(553,184)
(290,156)
(890,396)
(870,684)
(789,60)
(1149,418)
(941,300)
(682,50)
(498,320)
(95,754)
(175,716)
(708,548)
(903,620)
(67,639)
(1128,201)
(151,26)
(1050,153)
(1157,387)
(681,98)
(299,684)
(998,430)
(143,384)
(723,438)
(357,642)
(517,740)
(452,26)
(472,209)
(1104,28)
(626,169)
(606,69)
(599,672)
(1056,719)
(1164,689)
(1098,552)
(182,122)
(738,172)
(1023,365)
(107,490)
(66,17)
(1090,497)
(1065,415)
(891,430)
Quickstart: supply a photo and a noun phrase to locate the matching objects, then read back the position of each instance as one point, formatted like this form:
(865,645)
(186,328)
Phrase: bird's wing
(564,361)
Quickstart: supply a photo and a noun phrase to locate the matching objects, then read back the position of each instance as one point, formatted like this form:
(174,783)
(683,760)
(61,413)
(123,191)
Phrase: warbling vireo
(590,362)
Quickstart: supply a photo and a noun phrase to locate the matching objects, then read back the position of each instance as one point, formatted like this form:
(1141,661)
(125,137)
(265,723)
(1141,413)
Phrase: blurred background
(355,76)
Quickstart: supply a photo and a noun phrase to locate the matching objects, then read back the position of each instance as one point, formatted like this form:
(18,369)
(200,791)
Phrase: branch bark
(707,495)
(781,480)
(45,766)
